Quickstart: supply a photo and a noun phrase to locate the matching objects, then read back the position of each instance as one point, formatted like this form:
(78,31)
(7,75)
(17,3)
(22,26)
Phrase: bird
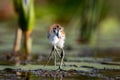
(56,37)
(26,18)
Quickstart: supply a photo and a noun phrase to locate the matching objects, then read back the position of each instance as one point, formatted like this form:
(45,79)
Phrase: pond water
(81,63)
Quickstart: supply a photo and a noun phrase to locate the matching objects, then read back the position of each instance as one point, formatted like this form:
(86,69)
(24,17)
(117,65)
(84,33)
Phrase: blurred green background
(89,24)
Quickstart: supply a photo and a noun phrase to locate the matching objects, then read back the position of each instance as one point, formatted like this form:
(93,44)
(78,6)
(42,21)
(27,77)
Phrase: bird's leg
(27,46)
(62,59)
(50,56)
(57,52)
(14,56)
(55,58)
(17,43)
(59,55)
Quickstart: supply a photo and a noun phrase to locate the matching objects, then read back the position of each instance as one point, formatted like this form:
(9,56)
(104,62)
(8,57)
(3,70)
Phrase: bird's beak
(57,34)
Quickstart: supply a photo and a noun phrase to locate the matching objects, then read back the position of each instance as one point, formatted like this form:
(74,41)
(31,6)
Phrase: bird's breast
(53,39)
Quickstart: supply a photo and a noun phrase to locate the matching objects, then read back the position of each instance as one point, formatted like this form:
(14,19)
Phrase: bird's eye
(54,28)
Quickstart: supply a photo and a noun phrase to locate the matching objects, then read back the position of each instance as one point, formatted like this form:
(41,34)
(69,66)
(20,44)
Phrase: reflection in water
(23,75)
(27,75)
(10,74)
(39,74)
(59,78)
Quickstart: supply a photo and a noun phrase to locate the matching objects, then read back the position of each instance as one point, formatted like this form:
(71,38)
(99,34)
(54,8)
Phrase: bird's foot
(59,69)
(15,60)
(27,60)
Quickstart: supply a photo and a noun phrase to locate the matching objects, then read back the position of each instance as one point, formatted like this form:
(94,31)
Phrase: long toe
(59,69)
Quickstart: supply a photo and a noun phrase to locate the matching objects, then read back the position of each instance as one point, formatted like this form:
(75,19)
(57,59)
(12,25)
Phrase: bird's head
(57,29)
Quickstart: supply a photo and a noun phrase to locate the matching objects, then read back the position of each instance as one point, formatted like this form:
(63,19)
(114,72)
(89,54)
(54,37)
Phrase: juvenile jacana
(56,36)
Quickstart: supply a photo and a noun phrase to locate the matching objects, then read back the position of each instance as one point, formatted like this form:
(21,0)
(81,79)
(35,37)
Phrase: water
(87,66)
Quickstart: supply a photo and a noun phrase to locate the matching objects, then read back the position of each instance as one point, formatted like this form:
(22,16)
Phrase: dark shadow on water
(10,74)
(18,74)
